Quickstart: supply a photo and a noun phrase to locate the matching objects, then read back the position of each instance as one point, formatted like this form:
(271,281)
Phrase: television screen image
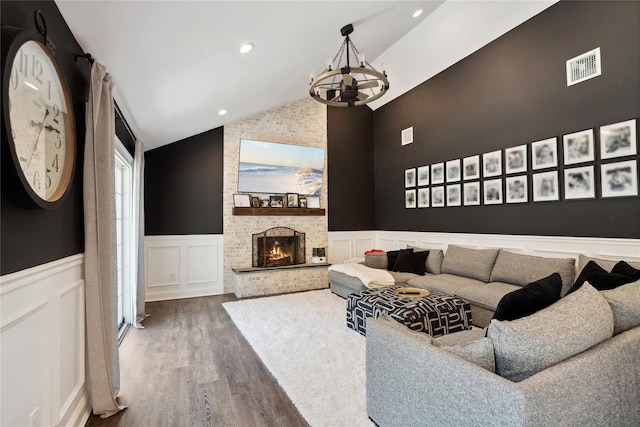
(271,167)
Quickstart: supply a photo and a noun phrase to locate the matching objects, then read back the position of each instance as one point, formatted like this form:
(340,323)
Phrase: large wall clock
(39,141)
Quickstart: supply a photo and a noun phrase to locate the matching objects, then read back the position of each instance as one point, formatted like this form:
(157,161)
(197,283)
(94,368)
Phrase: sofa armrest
(412,382)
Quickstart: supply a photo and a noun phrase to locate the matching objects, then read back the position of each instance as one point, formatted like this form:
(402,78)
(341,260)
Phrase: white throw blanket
(370,277)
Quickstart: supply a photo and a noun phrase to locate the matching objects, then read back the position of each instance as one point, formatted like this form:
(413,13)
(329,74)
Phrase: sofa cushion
(529,299)
(401,277)
(600,279)
(478,352)
(524,269)
(531,344)
(411,262)
(460,337)
(625,304)
(472,263)
(376,260)
(604,263)
(487,295)
(434,260)
(443,283)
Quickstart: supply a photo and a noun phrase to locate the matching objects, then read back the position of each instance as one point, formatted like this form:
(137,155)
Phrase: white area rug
(304,341)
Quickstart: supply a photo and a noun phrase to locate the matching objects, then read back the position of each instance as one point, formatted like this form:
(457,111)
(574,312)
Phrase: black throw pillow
(626,270)
(529,299)
(411,262)
(600,279)
(392,256)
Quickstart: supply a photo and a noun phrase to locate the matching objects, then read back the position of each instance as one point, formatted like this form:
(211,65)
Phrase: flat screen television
(272,167)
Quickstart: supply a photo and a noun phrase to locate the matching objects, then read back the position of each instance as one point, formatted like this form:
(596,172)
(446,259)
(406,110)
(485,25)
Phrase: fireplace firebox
(277,247)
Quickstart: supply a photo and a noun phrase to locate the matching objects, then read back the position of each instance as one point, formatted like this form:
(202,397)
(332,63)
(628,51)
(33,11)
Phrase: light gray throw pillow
(433,264)
(376,260)
(473,263)
(607,264)
(625,304)
(531,344)
(478,352)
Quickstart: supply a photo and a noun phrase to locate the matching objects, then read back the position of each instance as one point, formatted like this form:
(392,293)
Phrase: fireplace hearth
(277,247)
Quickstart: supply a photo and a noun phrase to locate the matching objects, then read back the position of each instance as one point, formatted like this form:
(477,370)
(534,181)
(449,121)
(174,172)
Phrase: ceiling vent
(407,136)
(584,67)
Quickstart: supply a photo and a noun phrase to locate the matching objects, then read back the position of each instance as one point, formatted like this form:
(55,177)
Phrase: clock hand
(51,129)
(35,144)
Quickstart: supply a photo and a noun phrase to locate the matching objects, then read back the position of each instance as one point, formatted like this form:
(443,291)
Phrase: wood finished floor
(190,366)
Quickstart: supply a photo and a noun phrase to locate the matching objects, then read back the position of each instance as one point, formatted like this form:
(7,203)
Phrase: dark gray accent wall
(32,237)
(183,186)
(350,169)
(512,92)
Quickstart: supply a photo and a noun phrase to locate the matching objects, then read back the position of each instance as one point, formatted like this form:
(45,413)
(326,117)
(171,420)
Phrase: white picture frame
(241,200)
(423,175)
(579,183)
(437,196)
(437,173)
(544,153)
(492,163)
(578,147)
(454,196)
(618,139)
(423,197)
(453,170)
(410,177)
(545,186)
(410,198)
(619,179)
(471,167)
(517,189)
(313,201)
(493,191)
(471,193)
(515,159)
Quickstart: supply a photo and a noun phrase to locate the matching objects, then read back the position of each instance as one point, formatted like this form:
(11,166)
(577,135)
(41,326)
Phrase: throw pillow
(604,263)
(411,262)
(479,352)
(376,260)
(392,256)
(531,344)
(625,304)
(434,260)
(530,298)
(472,263)
(599,278)
(626,270)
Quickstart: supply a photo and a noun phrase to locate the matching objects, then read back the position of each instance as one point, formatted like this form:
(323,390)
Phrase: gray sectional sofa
(480,276)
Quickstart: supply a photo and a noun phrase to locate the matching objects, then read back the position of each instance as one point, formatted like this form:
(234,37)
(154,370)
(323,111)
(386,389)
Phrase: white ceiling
(177,63)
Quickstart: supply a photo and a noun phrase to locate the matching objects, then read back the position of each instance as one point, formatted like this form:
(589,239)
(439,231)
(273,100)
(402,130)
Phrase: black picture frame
(276,201)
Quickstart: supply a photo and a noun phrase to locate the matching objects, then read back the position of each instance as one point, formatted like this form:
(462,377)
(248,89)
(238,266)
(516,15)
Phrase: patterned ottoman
(436,315)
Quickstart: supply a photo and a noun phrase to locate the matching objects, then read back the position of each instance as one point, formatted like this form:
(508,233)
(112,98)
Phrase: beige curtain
(138,293)
(103,368)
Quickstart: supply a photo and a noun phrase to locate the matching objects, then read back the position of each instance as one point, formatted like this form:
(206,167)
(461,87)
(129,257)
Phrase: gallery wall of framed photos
(502,145)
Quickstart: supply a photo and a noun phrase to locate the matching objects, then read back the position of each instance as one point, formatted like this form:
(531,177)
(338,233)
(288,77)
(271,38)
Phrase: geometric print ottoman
(436,315)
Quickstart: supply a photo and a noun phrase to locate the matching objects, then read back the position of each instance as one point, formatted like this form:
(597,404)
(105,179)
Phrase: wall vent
(584,67)
(407,136)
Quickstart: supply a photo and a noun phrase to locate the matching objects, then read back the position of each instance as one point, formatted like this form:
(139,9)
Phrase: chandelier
(346,85)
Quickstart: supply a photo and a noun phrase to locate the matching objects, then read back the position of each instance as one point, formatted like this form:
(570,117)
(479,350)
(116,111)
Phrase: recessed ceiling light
(417,13)
(247,47)
(222,112)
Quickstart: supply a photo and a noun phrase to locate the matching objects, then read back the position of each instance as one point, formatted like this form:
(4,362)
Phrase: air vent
(407,136)
(584,67)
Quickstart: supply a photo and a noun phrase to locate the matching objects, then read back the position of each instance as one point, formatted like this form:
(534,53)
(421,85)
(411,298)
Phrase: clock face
(40,121)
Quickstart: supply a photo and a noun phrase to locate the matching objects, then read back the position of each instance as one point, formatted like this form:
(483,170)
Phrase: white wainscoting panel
(183,266)
(43,345)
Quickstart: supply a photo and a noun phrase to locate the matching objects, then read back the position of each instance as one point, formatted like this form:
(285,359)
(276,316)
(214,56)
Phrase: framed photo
(410,198)
(471,167)
(264,203)
(423,197)
(241,200)
(423,175)
(313,201)
(619,179)
(493,192)
(302,202)
(492,163)
(453,195)
(255,202)
(545,186)
(437,174)
(578,147)
(579,183)
(410,177)
(453,170)
(437,197)
(618,139)
(293,200)
(544,153)
(276,201)
(516,159)
(471,193)
(517,189)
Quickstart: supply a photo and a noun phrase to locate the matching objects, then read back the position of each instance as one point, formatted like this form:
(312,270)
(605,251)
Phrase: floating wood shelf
(283,267)
(279,211)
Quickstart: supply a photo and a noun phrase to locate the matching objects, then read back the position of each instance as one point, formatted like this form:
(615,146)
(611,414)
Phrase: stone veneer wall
(302,122)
